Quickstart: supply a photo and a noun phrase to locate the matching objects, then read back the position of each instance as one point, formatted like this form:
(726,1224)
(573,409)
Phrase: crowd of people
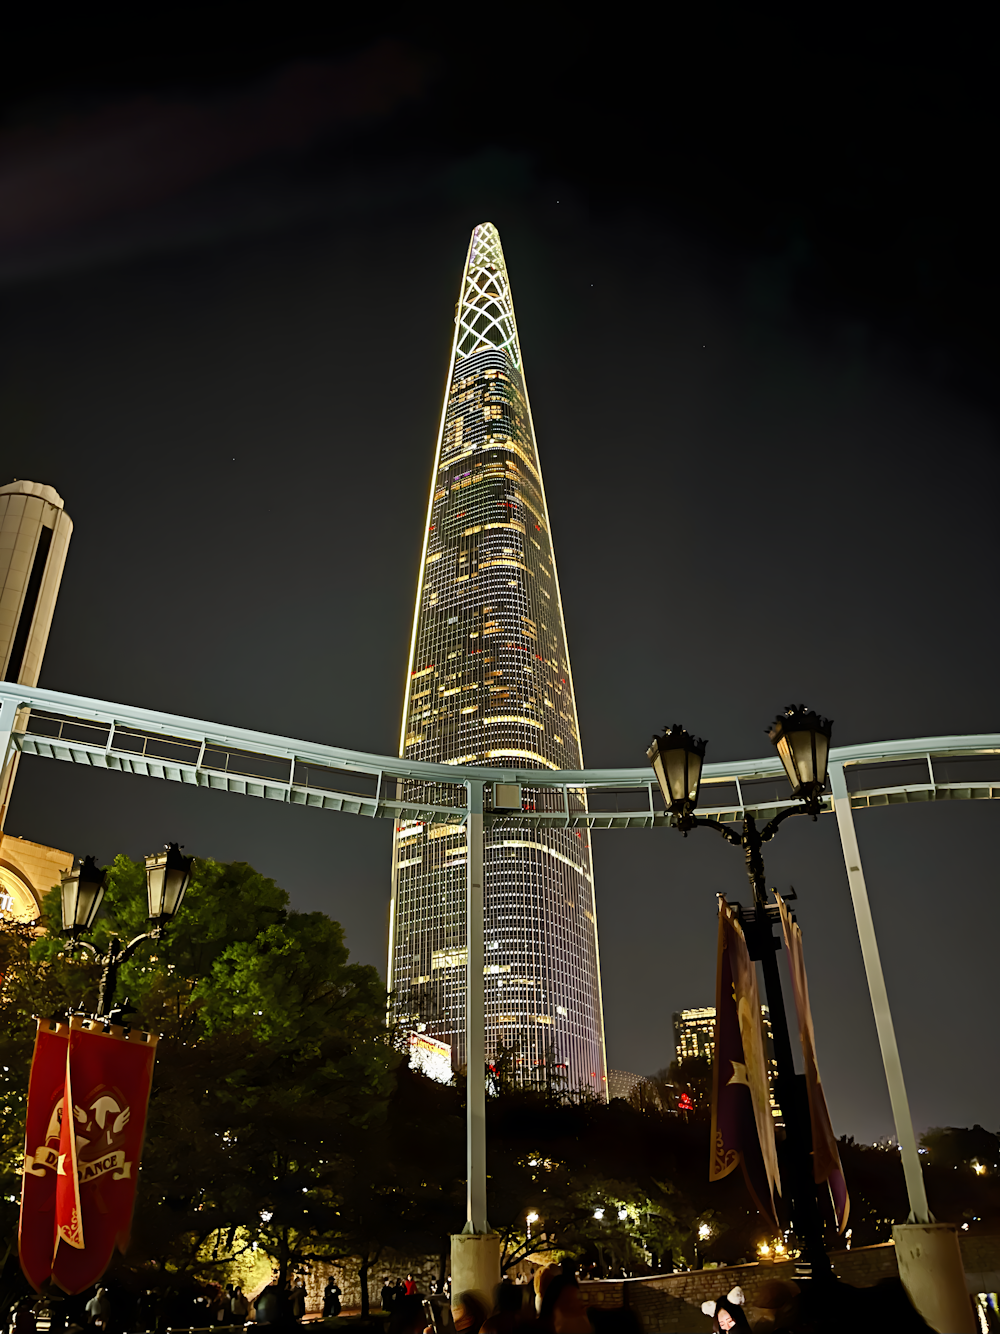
(228,1307)
(551,1304)
(394,1290)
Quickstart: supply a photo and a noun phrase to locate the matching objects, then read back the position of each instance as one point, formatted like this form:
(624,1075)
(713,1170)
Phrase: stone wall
(664,1303)
(981,1259)
(424,1269)
(671,1303)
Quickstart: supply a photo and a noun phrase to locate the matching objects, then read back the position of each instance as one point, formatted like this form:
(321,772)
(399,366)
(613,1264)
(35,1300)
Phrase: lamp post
(168,875)
(802,739)
(703,1234)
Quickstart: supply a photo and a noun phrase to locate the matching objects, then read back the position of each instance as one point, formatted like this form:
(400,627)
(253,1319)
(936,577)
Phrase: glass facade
(489,684)
(694,1035)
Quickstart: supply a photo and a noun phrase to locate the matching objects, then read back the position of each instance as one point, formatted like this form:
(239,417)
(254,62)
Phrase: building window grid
(482,621)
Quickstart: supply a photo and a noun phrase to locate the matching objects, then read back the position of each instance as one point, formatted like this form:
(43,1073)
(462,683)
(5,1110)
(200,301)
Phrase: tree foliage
(284,1126)
(589,1171)
(273,1058)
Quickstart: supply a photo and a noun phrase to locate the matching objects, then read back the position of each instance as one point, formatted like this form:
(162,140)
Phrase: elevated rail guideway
(216,757)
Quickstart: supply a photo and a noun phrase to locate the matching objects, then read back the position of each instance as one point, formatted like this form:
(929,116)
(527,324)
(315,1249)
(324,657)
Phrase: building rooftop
(19,487)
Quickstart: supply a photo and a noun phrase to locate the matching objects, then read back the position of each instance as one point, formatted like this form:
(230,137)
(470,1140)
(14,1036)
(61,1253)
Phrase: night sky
(754,277)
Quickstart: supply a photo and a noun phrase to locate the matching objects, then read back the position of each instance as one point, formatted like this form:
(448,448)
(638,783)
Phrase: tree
(589,1171)
(398,1182)
(975,1150)
(274,1051)
(693,1076)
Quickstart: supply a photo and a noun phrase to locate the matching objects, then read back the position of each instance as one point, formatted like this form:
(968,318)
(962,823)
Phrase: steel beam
(475,1017)
(912,1171)
(107,735)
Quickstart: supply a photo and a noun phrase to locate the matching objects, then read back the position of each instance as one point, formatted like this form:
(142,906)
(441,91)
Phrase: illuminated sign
(430,1057)
(16,900)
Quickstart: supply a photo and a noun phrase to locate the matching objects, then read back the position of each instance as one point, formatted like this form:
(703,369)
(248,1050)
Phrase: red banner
(46,1090)
(742,1125)
(826,1155)
(82,1202)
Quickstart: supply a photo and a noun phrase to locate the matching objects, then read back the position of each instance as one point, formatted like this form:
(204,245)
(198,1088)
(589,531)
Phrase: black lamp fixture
(83,888)
(802,740)
(677,758)
(168,874)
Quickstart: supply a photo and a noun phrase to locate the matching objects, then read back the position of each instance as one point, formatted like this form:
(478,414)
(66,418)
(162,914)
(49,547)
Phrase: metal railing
(186,750)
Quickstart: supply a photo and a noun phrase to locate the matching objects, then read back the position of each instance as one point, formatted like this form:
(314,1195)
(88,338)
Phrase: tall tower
(34,536)
(489,683)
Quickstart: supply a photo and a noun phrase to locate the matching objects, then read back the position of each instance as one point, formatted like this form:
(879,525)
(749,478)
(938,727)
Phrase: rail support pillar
(930,1267)
(475,1266)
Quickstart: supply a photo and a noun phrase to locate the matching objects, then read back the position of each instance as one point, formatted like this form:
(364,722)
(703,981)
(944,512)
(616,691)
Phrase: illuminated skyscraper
(490,684)
(694,1036)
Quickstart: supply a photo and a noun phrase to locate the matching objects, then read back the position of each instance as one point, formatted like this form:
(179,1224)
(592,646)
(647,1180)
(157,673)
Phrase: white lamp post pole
(928,1253)
(475,1251)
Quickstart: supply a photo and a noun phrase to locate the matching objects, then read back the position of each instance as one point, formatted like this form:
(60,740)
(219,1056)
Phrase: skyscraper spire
(489,683)
(485,311)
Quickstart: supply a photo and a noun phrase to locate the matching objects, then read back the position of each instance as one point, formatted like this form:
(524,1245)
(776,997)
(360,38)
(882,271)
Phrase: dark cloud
(132,153)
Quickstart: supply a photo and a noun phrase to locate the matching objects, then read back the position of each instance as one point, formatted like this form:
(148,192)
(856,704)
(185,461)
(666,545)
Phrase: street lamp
(82,892)
(677,758)
(599,1215)
(532,1218)
(704,1232)
(802,739)
(168,875)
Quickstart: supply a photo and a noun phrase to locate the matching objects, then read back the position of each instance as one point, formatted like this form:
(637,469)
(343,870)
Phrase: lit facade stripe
(489,684)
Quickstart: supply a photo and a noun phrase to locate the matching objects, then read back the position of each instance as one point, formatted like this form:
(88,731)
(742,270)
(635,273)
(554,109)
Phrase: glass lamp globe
(82,892)
(802,740)
(168,875)
(677,758)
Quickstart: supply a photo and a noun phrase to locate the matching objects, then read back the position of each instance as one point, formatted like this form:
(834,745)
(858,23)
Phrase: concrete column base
(475,1265)
(930,1266)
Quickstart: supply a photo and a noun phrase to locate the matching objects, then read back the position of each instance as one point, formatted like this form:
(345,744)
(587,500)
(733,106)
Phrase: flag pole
(763,946)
